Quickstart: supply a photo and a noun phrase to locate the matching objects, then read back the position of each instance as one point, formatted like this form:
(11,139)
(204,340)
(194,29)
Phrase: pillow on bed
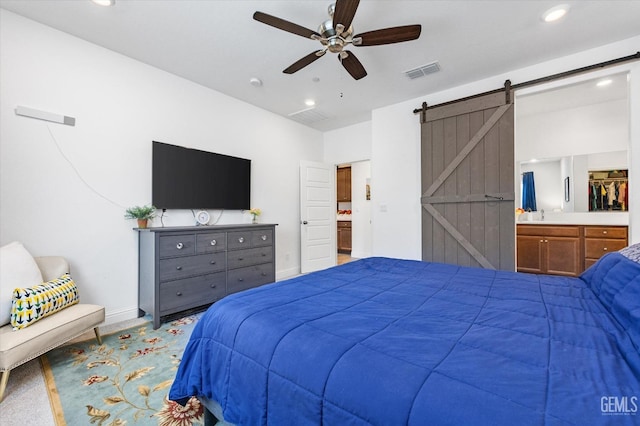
(17,269)
(34,303)
(632,252)
(615,279)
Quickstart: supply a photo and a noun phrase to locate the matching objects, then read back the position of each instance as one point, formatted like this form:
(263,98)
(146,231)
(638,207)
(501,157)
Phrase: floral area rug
(125,380)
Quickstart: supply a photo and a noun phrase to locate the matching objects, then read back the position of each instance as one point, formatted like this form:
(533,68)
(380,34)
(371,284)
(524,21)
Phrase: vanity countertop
(586,218)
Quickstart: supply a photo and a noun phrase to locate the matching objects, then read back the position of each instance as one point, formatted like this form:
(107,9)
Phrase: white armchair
(20,346)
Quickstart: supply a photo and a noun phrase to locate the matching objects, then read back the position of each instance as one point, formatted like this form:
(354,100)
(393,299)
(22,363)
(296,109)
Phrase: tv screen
(185,178)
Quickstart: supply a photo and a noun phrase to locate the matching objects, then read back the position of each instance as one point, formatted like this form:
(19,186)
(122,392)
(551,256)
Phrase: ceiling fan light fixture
(104,2)
(555,13)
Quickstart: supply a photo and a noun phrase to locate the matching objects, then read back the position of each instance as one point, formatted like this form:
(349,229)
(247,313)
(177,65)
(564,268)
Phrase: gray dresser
(182,268)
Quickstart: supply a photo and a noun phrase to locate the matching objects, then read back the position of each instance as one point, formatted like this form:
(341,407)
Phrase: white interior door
(317,216)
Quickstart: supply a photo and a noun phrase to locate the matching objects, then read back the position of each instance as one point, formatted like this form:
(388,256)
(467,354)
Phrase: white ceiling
(217,44)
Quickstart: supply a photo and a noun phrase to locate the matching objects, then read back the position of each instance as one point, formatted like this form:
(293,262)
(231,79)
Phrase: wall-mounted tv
(185,178)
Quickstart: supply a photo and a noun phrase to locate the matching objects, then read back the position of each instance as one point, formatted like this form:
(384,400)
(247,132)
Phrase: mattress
(397,342)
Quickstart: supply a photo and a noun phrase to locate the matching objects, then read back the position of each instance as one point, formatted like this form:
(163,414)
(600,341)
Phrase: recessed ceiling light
(605,82)
(104,2)
(309,102)
(555,13)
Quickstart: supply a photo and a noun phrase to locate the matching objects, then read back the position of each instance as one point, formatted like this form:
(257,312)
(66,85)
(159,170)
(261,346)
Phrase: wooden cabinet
(566,249)
(550,249)
(343,183)
(599,240)
(344,237)
(183,268)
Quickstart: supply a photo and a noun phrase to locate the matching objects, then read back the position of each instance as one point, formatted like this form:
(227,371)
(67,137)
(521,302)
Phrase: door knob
(304,222)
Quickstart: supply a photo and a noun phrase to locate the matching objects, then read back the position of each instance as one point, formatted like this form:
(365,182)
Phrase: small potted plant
(142,213)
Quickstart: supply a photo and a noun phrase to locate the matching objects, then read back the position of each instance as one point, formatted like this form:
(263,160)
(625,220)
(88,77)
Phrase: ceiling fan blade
(301,63)
(281,24)
(352,65)
(344,12)
(388,35)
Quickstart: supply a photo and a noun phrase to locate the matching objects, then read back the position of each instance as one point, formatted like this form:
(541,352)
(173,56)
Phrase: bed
(397,342)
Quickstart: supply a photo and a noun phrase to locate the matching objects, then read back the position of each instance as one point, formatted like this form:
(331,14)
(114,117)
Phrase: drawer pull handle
(605,249)
(542,241)
(179,268)
(213,262)
(264,238)
(179,246)
(604,232)
(241,258)
(241,240)
(214,242)
(263,274)
(240,279)
(264,254)
(213,286)
(178,294)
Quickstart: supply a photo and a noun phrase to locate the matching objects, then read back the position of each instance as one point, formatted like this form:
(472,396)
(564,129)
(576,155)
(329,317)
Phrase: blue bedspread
(394,342)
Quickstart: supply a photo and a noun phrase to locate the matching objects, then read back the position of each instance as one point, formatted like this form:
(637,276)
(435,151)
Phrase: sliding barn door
(467,183)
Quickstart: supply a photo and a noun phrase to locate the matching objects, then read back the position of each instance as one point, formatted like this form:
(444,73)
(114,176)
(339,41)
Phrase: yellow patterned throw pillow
(34,303)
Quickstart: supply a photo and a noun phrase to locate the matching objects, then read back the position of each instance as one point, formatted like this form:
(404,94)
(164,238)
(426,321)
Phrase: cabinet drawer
(254,256)
(210,243)
(262,238)
(191,292)
(239,240)
(595,248)
(344,224)
(177,245)
(182,267)
(549,231)
(253,276)
(605,232)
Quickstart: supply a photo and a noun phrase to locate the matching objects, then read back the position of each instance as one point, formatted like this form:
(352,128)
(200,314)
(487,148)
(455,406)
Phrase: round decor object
(202,217)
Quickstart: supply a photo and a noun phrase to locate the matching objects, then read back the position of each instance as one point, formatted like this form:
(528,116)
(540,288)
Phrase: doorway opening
(353,211)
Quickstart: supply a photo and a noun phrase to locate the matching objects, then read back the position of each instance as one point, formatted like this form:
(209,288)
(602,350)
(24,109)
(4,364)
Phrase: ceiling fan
(336,33)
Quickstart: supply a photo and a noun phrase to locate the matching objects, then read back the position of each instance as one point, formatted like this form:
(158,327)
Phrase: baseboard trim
(287,273)
(113,317)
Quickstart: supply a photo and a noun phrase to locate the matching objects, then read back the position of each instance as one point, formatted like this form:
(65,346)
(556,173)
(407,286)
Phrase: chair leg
(98,337)
(3,383)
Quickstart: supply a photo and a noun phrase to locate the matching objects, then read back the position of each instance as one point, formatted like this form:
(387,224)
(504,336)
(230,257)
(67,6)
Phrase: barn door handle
(493,197)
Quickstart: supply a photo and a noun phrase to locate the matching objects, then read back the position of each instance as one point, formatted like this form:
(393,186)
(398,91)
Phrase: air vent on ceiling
(423,70)
(307,116)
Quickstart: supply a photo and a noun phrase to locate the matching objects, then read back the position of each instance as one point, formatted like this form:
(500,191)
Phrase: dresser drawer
(254,256)
(239,240)
(210,243)
(262,238)
(605,232)
(182,267)
(594,248)
(191,292)
(252,276)
(344,224)
(177,245)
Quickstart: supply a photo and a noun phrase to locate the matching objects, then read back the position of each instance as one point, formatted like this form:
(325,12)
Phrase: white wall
(597,128)
(395,149)
(348,144)
(63,189)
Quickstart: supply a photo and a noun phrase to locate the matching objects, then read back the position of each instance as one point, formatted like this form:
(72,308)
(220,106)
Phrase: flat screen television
(186,178)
